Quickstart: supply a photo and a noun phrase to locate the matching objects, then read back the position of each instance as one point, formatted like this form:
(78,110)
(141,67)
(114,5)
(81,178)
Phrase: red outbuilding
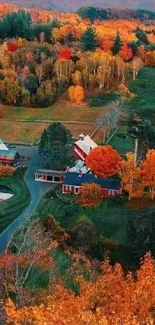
(73,182)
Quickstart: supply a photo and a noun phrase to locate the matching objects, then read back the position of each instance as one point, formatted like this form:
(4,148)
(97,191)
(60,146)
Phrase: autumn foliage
(104,161)
(65,54)
(131,177)
(148,172)
(90,195)
(112,298)
(76,94)
(6,171)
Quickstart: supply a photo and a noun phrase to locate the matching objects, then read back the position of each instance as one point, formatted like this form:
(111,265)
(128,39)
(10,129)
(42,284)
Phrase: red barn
(9,157)
(83,146)
(73,182)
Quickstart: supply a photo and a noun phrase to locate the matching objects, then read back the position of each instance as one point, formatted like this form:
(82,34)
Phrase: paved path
(37,190)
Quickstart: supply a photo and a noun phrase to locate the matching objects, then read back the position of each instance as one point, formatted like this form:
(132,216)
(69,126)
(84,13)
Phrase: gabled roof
(76,180)
(8,154)
(3,146)
(86,144)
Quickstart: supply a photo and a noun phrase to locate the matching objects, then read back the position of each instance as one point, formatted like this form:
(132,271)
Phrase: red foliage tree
(12,47)
(126,53)
(104,161)
(65,54)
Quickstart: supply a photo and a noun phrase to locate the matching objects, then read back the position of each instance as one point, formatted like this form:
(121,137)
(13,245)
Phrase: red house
(83,146)
(9,157)
(73,182)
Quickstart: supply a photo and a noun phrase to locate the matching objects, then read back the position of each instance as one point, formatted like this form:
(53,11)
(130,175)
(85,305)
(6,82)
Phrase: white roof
(3,146)
(86,144)
(79,166)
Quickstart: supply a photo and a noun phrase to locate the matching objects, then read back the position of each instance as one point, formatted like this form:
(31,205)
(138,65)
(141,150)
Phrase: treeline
(94,13)
(20,24)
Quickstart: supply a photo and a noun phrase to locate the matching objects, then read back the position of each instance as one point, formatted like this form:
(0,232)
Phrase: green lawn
(122,144)
(12,208)
(110,218)
(143,88)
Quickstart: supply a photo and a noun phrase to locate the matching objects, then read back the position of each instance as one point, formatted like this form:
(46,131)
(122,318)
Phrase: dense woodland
(45,53)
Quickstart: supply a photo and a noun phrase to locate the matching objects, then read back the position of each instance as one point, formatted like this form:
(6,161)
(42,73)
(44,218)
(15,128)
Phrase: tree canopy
(56,147)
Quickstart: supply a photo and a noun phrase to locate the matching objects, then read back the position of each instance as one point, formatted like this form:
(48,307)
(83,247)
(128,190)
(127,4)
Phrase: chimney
(81,136)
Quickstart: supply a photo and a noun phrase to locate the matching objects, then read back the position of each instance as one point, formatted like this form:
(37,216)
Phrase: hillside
(71,5)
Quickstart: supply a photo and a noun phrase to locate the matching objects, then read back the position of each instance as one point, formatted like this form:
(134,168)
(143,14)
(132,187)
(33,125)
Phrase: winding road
(37,190)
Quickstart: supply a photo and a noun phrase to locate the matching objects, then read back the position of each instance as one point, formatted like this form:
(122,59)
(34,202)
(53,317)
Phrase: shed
(50,176)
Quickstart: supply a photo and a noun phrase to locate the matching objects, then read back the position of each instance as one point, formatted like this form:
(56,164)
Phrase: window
(76,190)
(57,179)
(50,178)
(111,192)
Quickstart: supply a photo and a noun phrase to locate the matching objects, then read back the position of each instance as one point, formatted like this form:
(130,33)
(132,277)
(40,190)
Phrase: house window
(50,178)
(57,179)
(76,190)
(111,192)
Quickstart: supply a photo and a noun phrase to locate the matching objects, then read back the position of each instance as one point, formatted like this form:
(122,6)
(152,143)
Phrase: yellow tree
(148,172)
(78,94)
(131,177)
(71,91)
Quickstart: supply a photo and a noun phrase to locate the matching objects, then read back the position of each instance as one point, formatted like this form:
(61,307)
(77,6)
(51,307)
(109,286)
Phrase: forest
(46,53)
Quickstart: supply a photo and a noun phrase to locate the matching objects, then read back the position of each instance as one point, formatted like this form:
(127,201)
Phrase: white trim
(78,153)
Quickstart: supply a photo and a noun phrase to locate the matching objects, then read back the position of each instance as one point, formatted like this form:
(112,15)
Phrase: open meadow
(26,124)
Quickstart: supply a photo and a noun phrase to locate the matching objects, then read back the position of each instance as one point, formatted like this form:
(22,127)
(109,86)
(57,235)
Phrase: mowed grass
(61,111)
(12,208)
(122,144)
(110,218)
(143,88)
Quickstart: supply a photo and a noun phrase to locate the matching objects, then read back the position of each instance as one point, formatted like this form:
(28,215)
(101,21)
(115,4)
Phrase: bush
(101,99)
(45,101)
(83,236)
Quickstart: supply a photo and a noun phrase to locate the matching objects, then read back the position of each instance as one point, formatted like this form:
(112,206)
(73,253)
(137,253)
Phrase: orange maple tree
(148,172)
(126,53)
(6,171)
(104,161)
(131,177)
(111,299)
(90,195)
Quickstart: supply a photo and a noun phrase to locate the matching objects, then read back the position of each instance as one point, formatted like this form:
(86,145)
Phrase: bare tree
(109,120)
(29,244)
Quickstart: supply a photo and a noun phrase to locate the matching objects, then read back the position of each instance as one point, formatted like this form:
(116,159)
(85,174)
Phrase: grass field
(27,124)
(62,110)
(30,132)
(143,88)
(12,208)
(122,145)
(110,218)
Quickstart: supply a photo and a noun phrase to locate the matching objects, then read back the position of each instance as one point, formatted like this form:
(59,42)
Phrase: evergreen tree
(117,44)
(141,35)
(43,146)
(56,147)
(140,235)
(88,40)
(133,45)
